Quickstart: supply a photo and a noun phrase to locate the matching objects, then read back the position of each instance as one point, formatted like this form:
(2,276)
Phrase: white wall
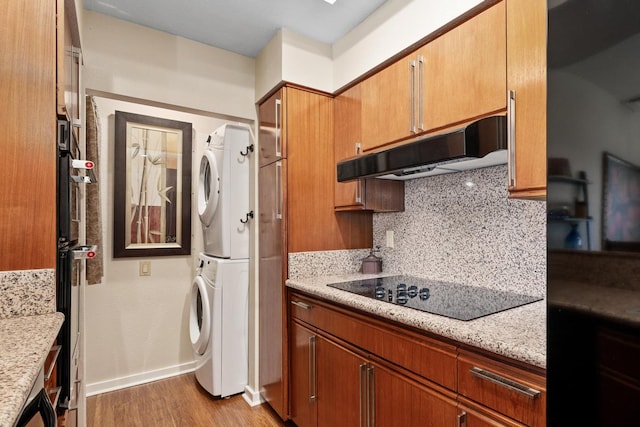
(137,327)
(130,60)
(592,121)
(396,25)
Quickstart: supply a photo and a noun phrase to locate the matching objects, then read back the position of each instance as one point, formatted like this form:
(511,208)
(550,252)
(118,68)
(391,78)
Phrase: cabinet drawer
(511,391)
(429,358)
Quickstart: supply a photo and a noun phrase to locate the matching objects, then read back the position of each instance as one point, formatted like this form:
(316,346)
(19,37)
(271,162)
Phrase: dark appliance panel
(593,227)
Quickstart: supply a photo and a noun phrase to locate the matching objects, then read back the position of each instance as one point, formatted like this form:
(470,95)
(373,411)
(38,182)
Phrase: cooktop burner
(445,299)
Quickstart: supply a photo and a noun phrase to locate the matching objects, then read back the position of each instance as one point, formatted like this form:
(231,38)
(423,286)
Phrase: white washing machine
(223,192)
(218,324)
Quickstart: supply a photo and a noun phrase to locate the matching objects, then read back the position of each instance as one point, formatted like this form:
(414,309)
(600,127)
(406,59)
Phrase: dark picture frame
(152,186)
(620,204)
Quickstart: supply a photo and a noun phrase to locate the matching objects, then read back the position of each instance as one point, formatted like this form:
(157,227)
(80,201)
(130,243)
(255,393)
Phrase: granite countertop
(25,344)
(617,304)
(518,333)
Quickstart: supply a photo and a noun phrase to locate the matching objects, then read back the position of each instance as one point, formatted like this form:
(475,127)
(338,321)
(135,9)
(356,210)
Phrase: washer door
(208,187)
(200,318)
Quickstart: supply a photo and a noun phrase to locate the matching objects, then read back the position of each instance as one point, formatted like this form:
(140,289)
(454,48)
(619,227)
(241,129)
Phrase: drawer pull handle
(531,393)
(302,305)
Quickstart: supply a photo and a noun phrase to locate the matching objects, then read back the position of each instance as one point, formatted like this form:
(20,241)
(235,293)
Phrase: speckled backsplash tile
(463,228)
(27,292)
(323,263)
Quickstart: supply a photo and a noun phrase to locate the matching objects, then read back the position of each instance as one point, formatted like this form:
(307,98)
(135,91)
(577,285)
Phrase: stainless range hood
(480,144)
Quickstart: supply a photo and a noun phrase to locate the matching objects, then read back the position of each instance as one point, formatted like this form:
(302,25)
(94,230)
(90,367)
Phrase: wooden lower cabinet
(400,401)
(347,372)
(332,385)
(472,415)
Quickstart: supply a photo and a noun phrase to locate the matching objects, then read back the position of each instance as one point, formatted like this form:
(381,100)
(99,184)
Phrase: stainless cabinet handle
(531,393)
(511,137)
(279,189)
(420,93)
(302,305)
(412,92)
(312,369)
(358,199)
(278,130)
(462,419)
(371,413)
(363,391)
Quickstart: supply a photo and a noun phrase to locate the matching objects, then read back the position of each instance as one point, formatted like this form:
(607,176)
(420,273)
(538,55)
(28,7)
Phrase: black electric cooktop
(452,300)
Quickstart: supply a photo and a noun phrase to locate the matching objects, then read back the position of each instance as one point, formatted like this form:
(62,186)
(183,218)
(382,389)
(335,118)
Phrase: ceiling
(241,26)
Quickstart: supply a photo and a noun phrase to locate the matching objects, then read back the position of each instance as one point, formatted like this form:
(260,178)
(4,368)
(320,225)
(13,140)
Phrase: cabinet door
(272,273)
(28,161)
(341,396)
(527,78)
(387,104)
(364,194)
(68,62)
(313,224)
(398,402)
(464,71)
(272,134)
(347,143)
(303,376)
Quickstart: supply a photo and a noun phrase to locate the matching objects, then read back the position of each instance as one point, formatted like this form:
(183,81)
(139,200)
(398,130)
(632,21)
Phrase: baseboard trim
(252,397)
(140,378)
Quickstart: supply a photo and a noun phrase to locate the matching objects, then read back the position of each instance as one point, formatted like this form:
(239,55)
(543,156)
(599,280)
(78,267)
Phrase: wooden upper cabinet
(386,105)
(347,142)
(272,133)
(455,78)
(28,161)
(68,62)
(364,194)
(307,143)
(462,74)
(527,81)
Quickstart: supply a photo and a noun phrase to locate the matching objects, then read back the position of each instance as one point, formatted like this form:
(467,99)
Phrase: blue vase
(573,239)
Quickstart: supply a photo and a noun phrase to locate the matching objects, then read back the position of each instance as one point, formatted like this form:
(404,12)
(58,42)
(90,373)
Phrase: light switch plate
(145,268)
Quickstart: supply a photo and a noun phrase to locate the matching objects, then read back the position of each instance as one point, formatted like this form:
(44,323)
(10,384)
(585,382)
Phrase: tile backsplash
(27,292)
(463,228)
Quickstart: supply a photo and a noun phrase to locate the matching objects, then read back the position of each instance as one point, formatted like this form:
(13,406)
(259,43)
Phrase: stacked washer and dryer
(218,324)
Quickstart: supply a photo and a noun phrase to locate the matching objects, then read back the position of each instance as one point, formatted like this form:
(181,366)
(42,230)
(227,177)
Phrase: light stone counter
(24,344)
(518,333)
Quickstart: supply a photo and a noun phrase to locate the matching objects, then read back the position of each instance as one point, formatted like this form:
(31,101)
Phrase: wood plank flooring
(175,402)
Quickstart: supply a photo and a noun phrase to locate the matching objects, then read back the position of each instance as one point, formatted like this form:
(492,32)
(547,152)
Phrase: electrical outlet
(390,238)
(145,268)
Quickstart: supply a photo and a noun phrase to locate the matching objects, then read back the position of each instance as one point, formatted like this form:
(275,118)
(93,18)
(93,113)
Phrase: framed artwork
(620,205)
(152,186)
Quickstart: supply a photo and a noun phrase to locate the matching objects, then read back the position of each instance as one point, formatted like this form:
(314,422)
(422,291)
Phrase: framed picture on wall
(620,204)
(152,186)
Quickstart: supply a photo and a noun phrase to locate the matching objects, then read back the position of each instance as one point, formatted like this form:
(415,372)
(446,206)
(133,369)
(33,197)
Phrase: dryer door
(208,187)
(200,317)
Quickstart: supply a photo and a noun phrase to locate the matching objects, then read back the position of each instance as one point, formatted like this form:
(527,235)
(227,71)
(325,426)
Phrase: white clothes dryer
(218,324)
(223,192)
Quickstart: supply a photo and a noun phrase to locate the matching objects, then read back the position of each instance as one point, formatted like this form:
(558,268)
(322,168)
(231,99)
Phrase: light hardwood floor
(174,402)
